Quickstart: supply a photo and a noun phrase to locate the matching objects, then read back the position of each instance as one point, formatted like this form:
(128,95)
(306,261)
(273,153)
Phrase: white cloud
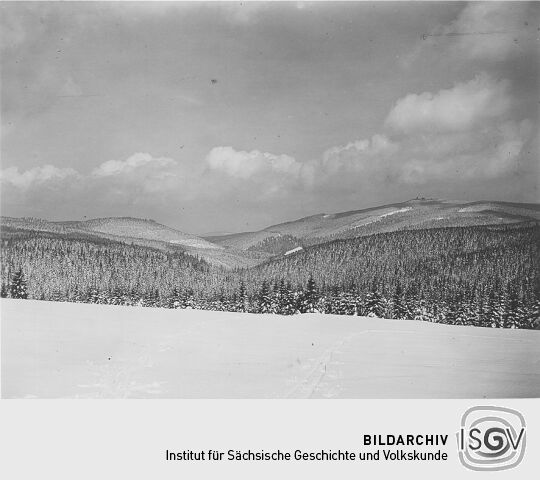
(246,165)
(459,108)
(482,155)
(255,176)
(135,162)
(357,155)
(463,133)
(36,175)
(140,179)
(417,159)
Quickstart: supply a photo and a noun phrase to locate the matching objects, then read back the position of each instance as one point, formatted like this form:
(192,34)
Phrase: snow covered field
(52,350)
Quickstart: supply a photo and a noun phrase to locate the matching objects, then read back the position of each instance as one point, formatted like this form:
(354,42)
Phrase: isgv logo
(491,438)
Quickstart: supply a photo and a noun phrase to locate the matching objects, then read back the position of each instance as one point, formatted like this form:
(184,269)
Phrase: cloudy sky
(229,117)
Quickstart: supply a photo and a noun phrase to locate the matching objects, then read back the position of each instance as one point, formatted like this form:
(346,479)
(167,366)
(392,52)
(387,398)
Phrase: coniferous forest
(483,275)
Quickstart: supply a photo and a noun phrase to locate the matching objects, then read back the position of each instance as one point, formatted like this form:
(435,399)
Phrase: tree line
(484,276)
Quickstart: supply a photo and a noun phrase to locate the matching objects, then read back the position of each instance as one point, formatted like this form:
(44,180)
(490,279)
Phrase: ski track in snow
(118,379)
(321,367)
(327,365)
(307,386)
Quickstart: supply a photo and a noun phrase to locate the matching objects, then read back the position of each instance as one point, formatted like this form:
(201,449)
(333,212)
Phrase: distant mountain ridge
(251,248)
(142,228)
(124,227)
(412,214)
(143,232)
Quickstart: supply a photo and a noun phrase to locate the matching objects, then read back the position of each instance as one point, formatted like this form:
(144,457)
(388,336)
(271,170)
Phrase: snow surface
(62,350)
(297,249)
(401,210)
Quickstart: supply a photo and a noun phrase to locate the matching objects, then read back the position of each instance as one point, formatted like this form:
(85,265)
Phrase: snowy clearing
(62,350)
(401,210)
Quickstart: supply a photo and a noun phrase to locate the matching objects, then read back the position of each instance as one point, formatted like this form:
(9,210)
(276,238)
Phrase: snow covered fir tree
(17,286)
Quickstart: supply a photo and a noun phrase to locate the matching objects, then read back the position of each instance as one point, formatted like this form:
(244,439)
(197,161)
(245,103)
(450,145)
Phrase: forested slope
(484,275)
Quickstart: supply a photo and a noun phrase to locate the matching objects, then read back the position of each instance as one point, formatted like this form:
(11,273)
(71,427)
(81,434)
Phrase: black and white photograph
(270,200)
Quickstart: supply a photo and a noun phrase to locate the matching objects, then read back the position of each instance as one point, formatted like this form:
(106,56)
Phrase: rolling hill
(413,214)
(251,248)
(143,232)
(118,228)
(137,228)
